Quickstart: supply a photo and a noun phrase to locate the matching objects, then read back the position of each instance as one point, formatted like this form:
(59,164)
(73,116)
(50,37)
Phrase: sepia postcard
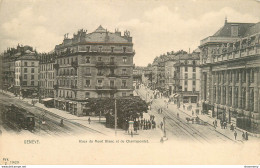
(133,82)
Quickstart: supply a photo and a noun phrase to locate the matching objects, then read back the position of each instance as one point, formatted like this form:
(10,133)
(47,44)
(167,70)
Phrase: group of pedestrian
(215,124)
(223,124)
(146,124)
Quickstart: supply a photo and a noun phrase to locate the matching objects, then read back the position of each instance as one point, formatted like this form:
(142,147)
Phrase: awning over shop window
(47,99)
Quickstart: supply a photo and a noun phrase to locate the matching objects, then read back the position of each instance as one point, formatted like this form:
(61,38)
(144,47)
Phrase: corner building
(230,86)
(93,65)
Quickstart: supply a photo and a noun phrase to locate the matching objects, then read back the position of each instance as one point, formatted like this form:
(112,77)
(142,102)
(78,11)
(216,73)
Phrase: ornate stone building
(91,65)
(230,74)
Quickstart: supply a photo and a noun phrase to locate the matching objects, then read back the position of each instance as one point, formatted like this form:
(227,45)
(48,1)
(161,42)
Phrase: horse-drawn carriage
(195,120)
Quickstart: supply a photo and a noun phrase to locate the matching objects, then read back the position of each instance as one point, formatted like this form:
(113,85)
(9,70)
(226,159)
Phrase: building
(8,65)
(92,65)
(147,76)
(47,75)
(230,74)
(187,77)
(26,74)
(138,75)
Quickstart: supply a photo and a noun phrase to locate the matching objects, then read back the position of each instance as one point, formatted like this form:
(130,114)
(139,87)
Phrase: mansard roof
(225,31)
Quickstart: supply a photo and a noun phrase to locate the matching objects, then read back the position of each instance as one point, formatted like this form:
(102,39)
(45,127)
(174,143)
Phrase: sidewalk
(226,132)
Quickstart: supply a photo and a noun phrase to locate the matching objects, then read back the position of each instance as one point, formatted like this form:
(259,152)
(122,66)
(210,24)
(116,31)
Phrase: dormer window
(112,49)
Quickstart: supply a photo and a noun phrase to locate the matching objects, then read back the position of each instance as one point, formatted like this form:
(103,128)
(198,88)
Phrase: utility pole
(164,131)
(115,117)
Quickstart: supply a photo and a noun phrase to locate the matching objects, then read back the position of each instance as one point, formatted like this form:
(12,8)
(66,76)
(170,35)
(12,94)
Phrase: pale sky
(157,26)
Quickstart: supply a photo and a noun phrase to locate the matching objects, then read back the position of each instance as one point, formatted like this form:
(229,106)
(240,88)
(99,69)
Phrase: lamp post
(115,118)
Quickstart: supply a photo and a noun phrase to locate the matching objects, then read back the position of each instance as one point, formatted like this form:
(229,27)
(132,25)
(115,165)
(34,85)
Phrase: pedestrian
(192,113)
(243,136)
(178,115)
(232,127)
(246,136)
(89,120)
(235,135)
(216,122)
(161,124)
(161,140)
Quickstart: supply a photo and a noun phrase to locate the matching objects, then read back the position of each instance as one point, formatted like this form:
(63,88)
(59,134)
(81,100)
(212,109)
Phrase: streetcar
(19,117)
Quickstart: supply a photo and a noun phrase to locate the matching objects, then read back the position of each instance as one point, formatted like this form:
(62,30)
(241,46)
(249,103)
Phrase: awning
(47,99)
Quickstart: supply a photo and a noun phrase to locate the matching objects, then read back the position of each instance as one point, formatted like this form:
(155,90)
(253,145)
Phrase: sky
(157,26)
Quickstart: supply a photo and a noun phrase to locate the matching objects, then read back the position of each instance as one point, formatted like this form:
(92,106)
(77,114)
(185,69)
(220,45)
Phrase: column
(233,88)
(256,97)
(239,89)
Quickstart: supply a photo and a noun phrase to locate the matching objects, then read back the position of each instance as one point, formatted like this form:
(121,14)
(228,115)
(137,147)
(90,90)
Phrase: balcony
(73,87)
(124,75)
(124,87)
(100,74)
(100,64)
(56,66)
(111,65)
(112,75)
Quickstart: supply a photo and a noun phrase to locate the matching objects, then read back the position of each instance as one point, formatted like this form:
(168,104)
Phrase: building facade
(26,74)
(230,74)
(187,77)
(97,64)
(8,65)
(47,75)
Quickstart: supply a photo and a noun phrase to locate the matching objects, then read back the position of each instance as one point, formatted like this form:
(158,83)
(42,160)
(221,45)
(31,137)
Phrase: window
(214,94)
(243,98)
(71,71)
(237,76)
(112,49)
(230,76)
(251,99)
(88,83)
(124,94)
(32,83)
(25,64)
(124,59)
(194,89)
(88,48)
(25,76)
(186,62)
(186,76)
(112,83)
(251,76)
(100,82)
(224,95)
(193,62)
(194,76)
(186,82)
(124,49)
(124,71)
(99,58)
(87,94)
(87,59)
(185,89)
(194,69)
(32,70)
(230,96)
(99,72)
(124,83)
(194,82)
(112,59)
(88,71)
(32,63)
(244,76)
(236,97)
(32,77)
(24,83)
(219,94)
(100,49)
(112,71)
(25,70)
(186,69)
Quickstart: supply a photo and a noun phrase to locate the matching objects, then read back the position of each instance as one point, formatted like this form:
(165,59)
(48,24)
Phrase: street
(178,128)
(51,126)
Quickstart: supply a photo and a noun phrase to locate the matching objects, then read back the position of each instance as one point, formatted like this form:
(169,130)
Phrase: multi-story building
(8,68)
(97,64)
(230,74)
(137,75)
(155,75)
(147,76)
(47,75)
(187,77)
(26,74)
